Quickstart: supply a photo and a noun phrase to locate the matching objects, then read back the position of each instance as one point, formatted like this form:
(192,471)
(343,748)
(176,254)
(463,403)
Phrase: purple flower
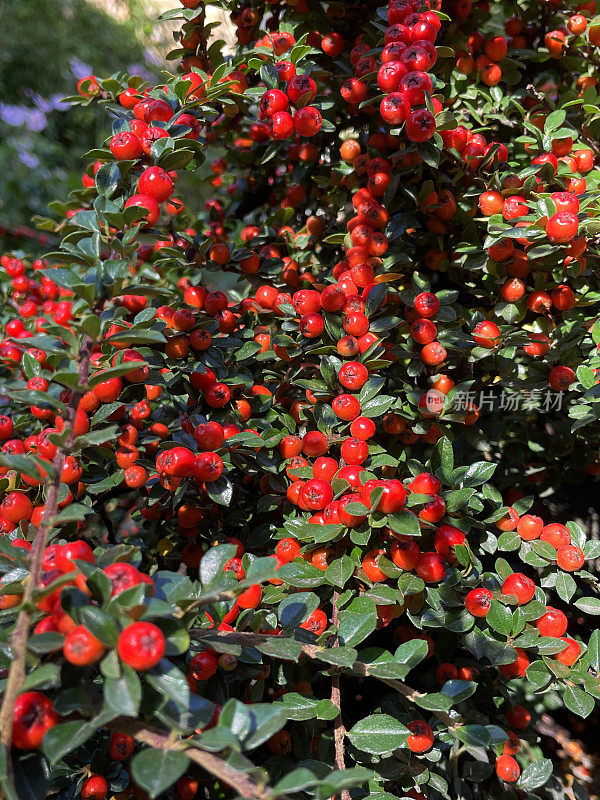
(28,159)
(54,103)
(79,68)
(33,119)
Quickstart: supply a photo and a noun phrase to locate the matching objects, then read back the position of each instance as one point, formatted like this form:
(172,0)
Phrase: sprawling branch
(20,636)
(339,731)
(244,784)
(314,652)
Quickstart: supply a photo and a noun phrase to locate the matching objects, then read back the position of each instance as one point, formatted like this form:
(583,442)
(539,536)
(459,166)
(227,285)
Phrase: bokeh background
(46,46)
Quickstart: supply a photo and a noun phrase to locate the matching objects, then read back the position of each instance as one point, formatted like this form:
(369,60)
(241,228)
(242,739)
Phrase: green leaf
(565,586)
(48,642)
(340,656)
(499,617)
(107,179)
(357,621)
(265,720)
(442,460)
(536,774)
(278,647)
(300,573)
(405,523)
(412,652)
(170,682)
(437,701)
(296,608)
(577,701)
(301,707)
(474,734)
(175,159)
(378,733)
(410,584)
(45,677)
(124,694)
(31,779)
(211,566)
(220,491)
(589,605)
(156,770)
(340,571)
(295,781)
(555,120)
(269,75)
(592,654)
(342,779)
(459,690)
(377,406)
(478,473)
(67,736)
(99,623)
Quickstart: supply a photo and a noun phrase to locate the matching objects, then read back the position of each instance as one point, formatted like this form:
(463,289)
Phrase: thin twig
(314,651)
(244,785)
(20,636)
(339,731)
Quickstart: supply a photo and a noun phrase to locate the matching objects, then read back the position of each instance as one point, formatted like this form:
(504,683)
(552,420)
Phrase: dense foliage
(295,539)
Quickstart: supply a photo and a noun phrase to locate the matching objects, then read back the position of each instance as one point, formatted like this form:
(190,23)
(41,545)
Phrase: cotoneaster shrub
(295,540)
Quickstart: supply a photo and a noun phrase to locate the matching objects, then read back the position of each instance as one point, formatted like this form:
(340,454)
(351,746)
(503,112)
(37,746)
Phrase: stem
(339,731)
(217,766)
(314,651)
(20,636)
(200,23)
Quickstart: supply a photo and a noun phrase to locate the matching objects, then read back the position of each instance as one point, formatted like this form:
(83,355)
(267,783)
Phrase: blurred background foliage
(46,46)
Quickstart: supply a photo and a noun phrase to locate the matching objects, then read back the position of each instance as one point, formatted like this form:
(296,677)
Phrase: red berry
(420,125)
(16,507)
(156,183)
(562,227)
(486,334)
(430,568)
(141,645)
(519,585)
(317,494)
(570,558)
(507,769)
(530,527)
(478,602)
(421,736)
(33,715)
(94,788)
(121,746)
(204,665)
(125,146)
(570,654)
(518,667)
(371,568)
(81,647)
(518,717)
(68,553)
(552,623)
(316,623)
